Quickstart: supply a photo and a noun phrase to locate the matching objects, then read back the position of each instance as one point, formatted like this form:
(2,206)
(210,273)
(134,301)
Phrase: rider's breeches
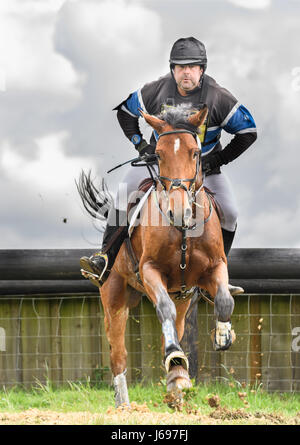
(217,183)
(220,185)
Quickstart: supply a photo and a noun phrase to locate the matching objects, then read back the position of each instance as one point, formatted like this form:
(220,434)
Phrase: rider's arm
(129,124)
(128,116)
(242,125)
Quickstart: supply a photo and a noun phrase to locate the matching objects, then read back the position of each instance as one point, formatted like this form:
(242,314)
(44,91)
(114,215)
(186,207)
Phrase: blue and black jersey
(225,113)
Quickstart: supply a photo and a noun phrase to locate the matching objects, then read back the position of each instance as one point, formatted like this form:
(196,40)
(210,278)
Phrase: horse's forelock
(178,117)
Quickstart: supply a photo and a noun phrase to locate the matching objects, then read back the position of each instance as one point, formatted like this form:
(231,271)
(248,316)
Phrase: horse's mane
(178,116)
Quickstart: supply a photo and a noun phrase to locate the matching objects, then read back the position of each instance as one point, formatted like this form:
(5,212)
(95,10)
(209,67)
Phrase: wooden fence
(51,323)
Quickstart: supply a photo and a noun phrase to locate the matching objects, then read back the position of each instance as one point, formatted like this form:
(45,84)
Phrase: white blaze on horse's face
(176,145)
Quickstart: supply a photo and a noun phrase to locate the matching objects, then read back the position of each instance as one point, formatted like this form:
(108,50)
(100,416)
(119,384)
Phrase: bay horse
(171,262)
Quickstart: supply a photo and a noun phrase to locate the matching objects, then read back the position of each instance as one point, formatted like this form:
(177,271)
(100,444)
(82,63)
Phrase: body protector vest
(225,112)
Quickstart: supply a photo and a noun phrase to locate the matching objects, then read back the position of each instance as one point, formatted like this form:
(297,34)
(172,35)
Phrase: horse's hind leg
(223,336)
(114,300)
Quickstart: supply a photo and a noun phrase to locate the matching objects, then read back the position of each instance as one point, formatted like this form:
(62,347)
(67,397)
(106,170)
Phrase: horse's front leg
(217,286)
(176,362)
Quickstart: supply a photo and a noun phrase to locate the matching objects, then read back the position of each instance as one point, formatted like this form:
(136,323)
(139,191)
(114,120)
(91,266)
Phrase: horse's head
(179,153)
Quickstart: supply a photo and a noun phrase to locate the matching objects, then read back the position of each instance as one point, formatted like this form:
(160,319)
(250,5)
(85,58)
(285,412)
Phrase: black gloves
(211,163)
(144,148)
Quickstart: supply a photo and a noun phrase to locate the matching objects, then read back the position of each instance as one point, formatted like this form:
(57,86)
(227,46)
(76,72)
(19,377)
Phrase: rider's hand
(211,162)
(144,148)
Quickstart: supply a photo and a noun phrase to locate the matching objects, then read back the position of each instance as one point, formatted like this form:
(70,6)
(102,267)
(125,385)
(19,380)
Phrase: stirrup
(105,257)
(235,290)
(95,278)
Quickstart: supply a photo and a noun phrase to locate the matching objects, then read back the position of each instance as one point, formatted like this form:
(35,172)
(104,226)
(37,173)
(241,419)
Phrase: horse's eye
(195,155)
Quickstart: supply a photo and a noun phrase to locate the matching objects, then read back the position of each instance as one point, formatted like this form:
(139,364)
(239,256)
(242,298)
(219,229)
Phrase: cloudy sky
(64,64)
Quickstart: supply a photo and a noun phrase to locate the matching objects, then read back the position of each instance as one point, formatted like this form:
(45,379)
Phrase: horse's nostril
(187,213)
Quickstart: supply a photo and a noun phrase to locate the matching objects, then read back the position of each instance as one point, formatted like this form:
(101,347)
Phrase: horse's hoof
(177,357)
(178,379)
(223,336)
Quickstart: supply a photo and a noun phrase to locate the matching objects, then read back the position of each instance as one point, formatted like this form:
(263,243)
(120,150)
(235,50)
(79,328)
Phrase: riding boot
(98,266)
(228,240)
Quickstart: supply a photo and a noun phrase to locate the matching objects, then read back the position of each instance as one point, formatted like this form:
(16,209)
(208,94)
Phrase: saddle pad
(214,202)
(138,209)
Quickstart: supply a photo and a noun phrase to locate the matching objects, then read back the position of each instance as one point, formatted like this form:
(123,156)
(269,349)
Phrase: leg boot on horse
(222,336)
(98,266)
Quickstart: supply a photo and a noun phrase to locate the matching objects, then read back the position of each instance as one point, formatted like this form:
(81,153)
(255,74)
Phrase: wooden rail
(52,271)
(51,321)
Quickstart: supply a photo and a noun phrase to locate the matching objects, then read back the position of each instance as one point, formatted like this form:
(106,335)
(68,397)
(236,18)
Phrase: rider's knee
(229,220)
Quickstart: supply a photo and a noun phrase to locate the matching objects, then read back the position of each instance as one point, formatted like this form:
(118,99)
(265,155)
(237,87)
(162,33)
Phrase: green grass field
(79,397)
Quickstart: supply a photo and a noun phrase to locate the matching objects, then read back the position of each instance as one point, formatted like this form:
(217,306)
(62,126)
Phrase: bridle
(179,182)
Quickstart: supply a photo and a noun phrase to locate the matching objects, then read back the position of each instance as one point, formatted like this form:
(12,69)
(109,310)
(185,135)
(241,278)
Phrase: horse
(167,260)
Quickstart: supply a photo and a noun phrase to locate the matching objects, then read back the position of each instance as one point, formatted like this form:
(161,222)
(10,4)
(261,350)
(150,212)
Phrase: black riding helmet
(188,51)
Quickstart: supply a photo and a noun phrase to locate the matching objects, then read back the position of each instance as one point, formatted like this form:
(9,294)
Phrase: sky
(65,64)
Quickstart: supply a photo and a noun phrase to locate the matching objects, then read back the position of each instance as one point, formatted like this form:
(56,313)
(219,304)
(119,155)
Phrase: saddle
(143,187)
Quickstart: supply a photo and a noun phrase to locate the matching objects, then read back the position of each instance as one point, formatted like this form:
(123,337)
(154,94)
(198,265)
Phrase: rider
(186,83)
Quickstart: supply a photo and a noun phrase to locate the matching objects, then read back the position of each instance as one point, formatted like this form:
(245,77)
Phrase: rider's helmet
(188,51)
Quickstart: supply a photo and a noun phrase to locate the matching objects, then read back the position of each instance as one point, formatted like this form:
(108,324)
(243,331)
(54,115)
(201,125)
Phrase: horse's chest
(192,262)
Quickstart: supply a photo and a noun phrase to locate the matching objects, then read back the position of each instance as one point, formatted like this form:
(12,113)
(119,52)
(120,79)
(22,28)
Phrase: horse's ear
(197,119)
(153,121)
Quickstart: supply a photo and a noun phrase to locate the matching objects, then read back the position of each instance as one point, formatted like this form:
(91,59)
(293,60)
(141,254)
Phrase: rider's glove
(143,147)
(211,162)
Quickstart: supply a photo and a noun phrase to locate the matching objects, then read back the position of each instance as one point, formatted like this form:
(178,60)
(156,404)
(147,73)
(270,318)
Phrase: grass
(83,396)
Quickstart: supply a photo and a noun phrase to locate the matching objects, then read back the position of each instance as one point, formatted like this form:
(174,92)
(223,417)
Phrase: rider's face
(187,77)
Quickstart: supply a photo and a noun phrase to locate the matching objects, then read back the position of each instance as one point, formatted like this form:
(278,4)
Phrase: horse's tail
(96,201)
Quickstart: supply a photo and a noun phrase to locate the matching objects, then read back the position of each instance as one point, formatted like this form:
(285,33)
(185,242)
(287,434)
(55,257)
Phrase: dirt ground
(141,415)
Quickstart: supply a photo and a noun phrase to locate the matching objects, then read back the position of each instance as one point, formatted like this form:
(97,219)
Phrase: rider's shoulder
(219,92)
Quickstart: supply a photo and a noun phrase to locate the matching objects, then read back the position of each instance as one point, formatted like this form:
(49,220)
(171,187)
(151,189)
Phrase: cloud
(65,64)
(252,4)
(51,171)
(109,43)
(27,56)
(42,195)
